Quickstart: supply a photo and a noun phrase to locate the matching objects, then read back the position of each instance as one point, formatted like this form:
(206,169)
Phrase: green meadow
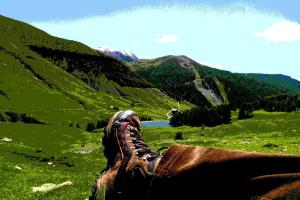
(39,154)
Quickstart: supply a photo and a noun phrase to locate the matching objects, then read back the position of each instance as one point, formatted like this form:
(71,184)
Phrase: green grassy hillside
(60,81)
(204,85)
(50,89)
(278,80)
(240,88)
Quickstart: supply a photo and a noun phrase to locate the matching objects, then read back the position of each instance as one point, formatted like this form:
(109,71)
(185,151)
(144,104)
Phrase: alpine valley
(56,96)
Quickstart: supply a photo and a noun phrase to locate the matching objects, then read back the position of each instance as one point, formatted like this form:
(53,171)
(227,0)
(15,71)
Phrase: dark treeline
(101,123)
(240,88)
(274,103)
(198,116)
(280,103)
(20,117)
(212,116)
(246,110)
(89,67)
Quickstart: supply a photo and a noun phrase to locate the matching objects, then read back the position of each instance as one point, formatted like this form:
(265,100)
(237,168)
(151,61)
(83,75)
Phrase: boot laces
(141,146)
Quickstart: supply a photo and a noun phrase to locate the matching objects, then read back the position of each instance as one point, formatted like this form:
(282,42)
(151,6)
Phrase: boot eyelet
(146,157)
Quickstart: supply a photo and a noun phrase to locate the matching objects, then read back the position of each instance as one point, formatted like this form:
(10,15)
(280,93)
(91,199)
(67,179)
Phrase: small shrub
(202,130)
(2,119)
(114,107)
(146,118)
(90,127)
(245,112)
(15,117)
(179,136)
(3,94)
(102,123)
(270,145)
(39,150)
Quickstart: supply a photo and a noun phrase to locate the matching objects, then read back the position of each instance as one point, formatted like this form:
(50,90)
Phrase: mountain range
(184,79)
(58,81)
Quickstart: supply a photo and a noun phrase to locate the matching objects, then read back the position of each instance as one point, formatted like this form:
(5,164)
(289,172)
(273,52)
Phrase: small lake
(155,123)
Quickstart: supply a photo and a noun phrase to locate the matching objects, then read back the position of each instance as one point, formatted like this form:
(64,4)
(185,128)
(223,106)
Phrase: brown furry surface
(211,173)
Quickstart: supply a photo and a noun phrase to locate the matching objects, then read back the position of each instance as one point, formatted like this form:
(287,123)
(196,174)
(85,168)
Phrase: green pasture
(59,153)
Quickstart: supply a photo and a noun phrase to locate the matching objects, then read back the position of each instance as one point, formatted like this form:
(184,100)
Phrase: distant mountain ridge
(185,79)
(125,56)
(278,80)
(178,76)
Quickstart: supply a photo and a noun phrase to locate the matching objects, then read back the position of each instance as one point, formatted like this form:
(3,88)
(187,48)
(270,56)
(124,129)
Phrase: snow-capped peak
(127,52)
(104,48)
(124,55)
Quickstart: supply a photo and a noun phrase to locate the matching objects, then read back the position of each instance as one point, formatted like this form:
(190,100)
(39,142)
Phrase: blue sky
(240,36)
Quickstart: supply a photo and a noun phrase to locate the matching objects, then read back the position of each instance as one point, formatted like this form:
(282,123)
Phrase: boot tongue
(134,122)
(125,115)
(128,116)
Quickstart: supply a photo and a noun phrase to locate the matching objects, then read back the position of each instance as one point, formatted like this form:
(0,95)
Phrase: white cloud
(233,47)
(284,31)
(166,39)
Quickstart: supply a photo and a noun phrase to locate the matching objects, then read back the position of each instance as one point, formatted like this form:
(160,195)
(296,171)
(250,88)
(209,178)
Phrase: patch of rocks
(50,186)
(18,168)
(82,151)
(6,139)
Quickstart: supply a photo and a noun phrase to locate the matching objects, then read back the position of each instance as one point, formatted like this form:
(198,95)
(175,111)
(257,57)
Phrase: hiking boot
(124,131)
(130,162)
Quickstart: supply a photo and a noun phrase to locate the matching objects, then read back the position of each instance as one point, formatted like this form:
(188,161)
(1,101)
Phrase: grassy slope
(278,79)
(270,129)
(38,87)
(57,148)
